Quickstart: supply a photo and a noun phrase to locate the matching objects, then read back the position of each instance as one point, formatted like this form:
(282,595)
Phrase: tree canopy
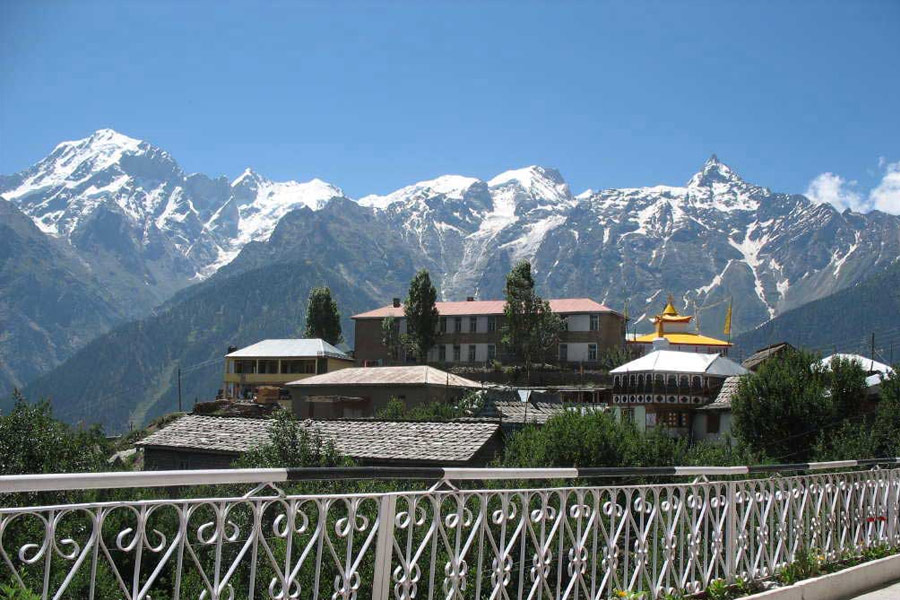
(323,320)
(530,328)
(422,316)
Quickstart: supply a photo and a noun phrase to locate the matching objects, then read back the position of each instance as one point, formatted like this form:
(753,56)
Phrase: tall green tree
(322,317)
(422,316)
(390,337)
(778,411)
(530,328)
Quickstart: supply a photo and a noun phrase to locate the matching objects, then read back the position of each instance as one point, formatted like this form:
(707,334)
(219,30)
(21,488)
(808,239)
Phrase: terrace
(468,533)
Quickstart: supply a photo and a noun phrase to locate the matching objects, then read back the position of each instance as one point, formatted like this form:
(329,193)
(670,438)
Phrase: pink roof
(490,307)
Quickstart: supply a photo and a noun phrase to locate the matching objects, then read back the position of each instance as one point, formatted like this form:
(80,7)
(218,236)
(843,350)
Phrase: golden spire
(670,307)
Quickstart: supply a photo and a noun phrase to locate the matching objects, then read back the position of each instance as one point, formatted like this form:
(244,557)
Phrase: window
(442,353)
(671,419)
(492,323)
(595,322)
(268,367)
(245,366)
(298,366)
(492,352)
(712,422)
(457,353)
(443,324)
(471,352)
(563,352)
(457,324)
(592,351)
(473,324)
(628,415)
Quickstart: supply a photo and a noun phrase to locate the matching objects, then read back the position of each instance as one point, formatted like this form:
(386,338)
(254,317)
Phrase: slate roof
(386,376)
(453,442)
(763,354)
(723,399)
(490,307)
(289,348)
(673,361)
(536,410)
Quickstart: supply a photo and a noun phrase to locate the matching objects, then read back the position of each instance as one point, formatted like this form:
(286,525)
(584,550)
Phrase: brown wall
(376,397)
(368,346)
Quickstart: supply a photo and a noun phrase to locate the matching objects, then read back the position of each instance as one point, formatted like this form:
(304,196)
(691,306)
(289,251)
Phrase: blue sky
(374,96)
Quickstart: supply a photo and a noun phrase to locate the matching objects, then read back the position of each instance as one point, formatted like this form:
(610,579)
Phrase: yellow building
(276,362)
(673,327)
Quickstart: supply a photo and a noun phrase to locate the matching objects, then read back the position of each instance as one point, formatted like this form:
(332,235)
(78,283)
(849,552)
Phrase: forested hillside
(129,375)
(842,322)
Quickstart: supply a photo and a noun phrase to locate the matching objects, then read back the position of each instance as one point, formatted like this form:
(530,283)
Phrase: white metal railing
(579,541)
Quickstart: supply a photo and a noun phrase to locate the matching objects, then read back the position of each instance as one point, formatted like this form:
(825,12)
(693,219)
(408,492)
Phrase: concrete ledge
(842,585)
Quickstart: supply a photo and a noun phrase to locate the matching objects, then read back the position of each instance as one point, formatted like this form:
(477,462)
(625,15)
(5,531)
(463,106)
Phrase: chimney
(396,302)
(470,298)
(231,349)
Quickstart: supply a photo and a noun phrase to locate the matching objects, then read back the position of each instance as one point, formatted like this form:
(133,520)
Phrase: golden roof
(689,339)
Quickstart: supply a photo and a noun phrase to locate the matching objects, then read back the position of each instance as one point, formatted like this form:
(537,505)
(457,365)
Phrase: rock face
(143,230)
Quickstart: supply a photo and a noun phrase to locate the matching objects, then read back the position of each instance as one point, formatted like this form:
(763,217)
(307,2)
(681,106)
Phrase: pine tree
(322,317)
(530,327)
(422,317)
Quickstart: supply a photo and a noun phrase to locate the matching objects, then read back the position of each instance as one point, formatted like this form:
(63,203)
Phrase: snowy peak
(535,180)
(248,178)
(714,171)
(450,187)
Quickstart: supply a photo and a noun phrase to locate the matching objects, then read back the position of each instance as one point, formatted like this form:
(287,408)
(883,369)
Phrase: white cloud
(886,195)
(835,190)
(843,194)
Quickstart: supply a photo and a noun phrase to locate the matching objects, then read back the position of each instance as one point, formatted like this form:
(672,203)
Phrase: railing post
(384,549)
(731,534)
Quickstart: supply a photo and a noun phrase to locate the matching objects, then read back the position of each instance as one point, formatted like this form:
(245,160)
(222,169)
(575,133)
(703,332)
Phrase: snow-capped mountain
(128,204)
(144,229)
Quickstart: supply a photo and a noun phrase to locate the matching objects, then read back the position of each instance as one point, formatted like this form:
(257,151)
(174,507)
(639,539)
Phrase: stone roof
(402,441)
(387,376)
(726,393)
(533,411)
(289,348)
(763,354)
(490,307)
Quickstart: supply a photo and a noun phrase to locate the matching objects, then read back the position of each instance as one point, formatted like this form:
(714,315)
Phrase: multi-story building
(470,332)
(277,362)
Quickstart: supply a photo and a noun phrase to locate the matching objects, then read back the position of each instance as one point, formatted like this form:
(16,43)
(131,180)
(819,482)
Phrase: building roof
(387,376)
(538,409)
(289,348)
(673,361)
(726,393)
(876,371)
(685,338)
(763,354)
(491,307)
(406,441)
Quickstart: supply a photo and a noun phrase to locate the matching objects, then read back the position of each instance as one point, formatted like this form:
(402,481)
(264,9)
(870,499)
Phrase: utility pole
(179,389)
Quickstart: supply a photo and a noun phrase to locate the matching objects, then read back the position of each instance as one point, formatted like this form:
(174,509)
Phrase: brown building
(363,391)
(470,332)
(206,442)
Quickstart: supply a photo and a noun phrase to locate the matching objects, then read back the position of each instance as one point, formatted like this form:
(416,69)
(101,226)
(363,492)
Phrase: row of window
(659,379)
(458,323)
(272,367)
(658,399)
(471,356)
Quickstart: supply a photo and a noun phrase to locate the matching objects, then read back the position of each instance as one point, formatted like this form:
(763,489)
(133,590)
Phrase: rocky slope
(146,231)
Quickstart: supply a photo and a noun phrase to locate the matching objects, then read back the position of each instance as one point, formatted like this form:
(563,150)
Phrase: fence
(580,541)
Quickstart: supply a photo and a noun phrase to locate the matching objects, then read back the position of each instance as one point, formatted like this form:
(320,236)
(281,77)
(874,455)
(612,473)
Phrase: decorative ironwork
(569,542)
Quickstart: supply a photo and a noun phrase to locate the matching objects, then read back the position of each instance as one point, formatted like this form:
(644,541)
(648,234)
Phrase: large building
(470,332)
(675,328)
(277,362)
(363,391)
(665,388)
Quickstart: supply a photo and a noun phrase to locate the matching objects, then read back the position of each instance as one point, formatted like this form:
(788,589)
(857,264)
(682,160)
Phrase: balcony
(454,539)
